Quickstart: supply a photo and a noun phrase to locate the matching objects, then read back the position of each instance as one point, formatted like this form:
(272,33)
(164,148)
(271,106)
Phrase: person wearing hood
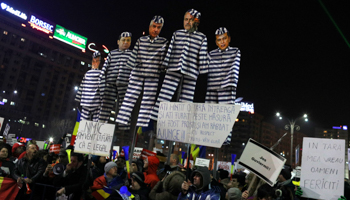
(285,185)
(151,165)
(201,188)
(138,186)
(169,188)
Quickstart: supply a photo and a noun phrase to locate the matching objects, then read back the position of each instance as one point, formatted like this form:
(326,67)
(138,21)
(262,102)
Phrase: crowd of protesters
(43,175)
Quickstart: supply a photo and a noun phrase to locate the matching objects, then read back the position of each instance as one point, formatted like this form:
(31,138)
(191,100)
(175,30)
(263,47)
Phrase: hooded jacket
(204,191)
(169,188)
(151,177)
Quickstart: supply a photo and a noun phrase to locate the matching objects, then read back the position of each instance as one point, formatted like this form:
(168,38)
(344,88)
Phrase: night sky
(294,60)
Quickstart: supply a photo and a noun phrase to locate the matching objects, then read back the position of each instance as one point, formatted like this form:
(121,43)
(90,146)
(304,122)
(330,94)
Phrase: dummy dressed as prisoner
(114,77)
(146,63)
(88,94)
(223,72)
(187,57)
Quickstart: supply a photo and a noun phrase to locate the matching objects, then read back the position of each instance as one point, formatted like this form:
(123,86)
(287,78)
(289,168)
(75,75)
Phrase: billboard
(4,6)
(69,37)
(41,24)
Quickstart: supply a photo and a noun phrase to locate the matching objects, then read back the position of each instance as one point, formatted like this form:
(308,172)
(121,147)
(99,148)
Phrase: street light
(291,126)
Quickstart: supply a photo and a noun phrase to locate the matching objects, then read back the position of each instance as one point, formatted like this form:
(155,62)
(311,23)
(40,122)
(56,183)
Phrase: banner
(196,123)
(297,155)
(7,129)
(262,161)
(322,170)
(145,153)
(55,148)
(1,123)
(137,152)
(202,162)
(94,138)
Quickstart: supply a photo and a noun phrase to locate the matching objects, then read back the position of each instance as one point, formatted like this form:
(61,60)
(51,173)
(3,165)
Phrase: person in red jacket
(151,165)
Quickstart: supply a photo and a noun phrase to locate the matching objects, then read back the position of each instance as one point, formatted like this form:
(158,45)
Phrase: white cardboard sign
(196,123)
(262,161)
(322,170)
(137,152)
(94,138)
(202,162)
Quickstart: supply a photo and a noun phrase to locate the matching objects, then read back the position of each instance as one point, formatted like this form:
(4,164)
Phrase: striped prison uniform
(88,95)
(146,63)
(114,80)
(187,57)
(223,78)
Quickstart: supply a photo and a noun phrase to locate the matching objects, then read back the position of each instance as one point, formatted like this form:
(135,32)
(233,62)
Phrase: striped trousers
(169,86)
(136,83)
(222,96)
(225,95)
(90,113)
(108,102)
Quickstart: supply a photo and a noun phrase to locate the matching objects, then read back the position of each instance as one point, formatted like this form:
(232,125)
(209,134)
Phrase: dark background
(294,60)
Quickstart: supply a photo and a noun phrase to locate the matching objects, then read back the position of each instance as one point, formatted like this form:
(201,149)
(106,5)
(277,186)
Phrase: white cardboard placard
(202,162)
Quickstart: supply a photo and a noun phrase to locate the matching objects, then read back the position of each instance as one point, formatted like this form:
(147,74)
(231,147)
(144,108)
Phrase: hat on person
(125,34)
(234,194)
(109,166)
(139,163)
(96,54)
(286,174)
(194,13)
(158,19)
(221,30)
(138,177)
(16,145)
(62,152)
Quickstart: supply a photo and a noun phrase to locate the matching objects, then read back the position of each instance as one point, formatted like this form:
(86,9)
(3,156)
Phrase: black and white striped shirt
(147,57)
(115,68)
(88,94)
(188,53)
(223,68)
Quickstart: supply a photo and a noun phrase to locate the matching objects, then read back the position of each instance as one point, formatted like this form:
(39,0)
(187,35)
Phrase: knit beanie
(109,166)
(234,194)
(138,177)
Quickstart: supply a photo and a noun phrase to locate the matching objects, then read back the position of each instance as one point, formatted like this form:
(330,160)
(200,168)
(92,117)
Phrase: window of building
(12,103)
(36,124)
(5,32)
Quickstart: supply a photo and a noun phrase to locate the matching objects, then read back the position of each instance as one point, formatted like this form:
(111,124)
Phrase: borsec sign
(40,24)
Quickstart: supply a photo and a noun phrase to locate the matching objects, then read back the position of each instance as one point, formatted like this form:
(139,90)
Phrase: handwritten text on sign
(94,138)
(196,123)
(322,170)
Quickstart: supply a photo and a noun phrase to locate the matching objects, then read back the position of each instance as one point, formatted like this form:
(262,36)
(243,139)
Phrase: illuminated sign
(69,37)
(93,47)
(38,23)
(9,9)
(246,107)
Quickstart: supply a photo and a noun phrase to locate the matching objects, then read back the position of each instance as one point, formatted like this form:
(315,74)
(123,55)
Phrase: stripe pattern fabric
(223,78)
(187,57)
(146,63)
(88,93)
(114,73)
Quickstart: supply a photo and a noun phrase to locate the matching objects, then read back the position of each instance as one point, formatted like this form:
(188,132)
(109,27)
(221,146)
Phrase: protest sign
(196,123)
(145,153)
(94,138)
(137,152)
(7,129)
(55,148)
(1,122)
(202,162)
(224,165)
(322,170)
(262,161)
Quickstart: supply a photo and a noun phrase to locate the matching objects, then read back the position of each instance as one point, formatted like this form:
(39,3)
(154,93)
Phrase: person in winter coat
(169,188)
(285,185)
(201,188)
(151,165)
(138,186)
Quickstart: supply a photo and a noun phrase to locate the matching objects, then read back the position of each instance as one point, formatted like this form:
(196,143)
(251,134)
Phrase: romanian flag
(76,127)
(233,158)
(102,194)
(8,188)
(126,156)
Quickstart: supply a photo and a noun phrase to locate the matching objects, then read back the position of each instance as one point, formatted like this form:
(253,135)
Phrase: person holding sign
(201,187)
(186,58)
(146,63)
(88,94)
(114,77)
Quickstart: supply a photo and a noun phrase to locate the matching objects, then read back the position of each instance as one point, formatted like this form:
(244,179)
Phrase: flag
(233,158)
(182,157)
(195,154)
(76,127)
(202,151)
(139,130)
(126,156)
(8,188)
(102,194)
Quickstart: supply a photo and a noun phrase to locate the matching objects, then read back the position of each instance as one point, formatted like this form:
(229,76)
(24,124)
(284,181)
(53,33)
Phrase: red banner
(145,153)
(55,148)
